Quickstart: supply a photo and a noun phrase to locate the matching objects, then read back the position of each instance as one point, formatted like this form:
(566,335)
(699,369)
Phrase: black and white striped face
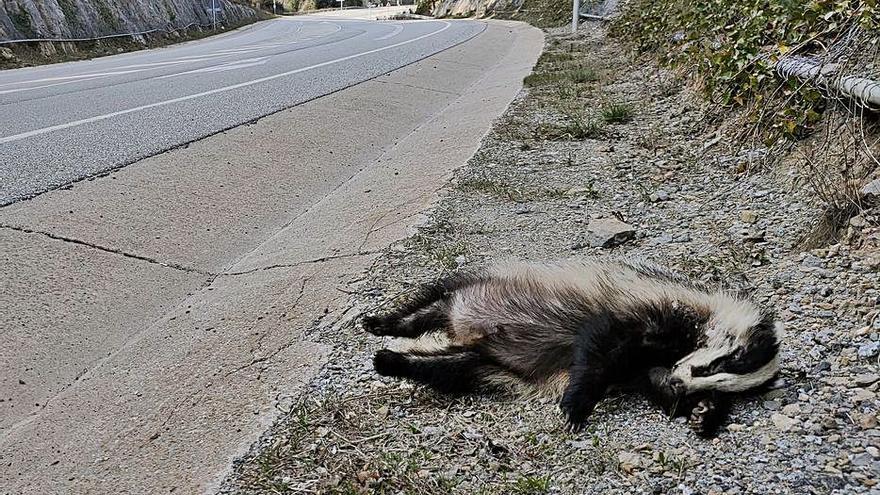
(740,353)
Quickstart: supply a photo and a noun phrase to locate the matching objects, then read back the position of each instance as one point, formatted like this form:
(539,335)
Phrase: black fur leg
(390,363)
(707,415)
(456,371)
(577,408)
(597,356)
(426,310)
(375,325)
(413,325)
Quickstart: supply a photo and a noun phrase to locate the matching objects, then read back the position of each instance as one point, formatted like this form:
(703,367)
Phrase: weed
(531,485)
(615,112)
(507,191)
(581,125)
(577,75)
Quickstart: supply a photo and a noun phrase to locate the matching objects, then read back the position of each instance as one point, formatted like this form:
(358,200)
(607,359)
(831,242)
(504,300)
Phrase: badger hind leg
(449,371)
(411,325)
(425,310)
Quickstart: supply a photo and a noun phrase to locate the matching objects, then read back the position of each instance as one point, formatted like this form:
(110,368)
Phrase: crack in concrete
(259,343)
(312,261)
(177,266)
(432,90)
(109,250)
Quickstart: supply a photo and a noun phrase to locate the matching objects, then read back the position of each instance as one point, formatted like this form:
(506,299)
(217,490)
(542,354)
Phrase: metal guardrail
(864,91)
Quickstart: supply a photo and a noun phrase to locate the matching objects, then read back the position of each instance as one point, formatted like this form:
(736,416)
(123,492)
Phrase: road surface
(61,123)
(155,319)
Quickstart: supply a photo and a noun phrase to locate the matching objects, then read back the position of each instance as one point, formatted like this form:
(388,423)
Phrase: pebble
(869,350)
(865,379)
(783,422)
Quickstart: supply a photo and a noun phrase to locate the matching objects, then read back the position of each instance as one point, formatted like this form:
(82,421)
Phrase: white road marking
(236,64)
(98,118)
(92,75)
(397,29)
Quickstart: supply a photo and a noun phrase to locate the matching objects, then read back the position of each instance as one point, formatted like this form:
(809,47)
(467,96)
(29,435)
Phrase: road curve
(66,122)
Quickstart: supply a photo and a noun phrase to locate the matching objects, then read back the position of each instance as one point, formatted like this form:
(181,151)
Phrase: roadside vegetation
(729,49)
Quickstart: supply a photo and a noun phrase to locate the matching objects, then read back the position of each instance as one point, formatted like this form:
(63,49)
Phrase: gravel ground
(647,154)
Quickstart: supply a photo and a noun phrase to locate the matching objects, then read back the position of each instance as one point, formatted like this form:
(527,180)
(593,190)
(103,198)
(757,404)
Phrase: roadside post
(575,14)
(274,8)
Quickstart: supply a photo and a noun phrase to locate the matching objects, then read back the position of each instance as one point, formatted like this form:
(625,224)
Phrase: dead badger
(575,328)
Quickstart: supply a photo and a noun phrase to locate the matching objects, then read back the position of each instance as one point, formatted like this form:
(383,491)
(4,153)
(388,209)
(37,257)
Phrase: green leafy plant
(731,46)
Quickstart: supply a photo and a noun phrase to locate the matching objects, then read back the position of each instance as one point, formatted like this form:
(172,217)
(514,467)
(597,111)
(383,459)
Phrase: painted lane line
(236,64)
(98,118)
(397,29)
(91,75)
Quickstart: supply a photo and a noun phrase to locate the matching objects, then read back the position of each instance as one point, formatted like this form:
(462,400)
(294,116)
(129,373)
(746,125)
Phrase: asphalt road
(155,319)
(62,123)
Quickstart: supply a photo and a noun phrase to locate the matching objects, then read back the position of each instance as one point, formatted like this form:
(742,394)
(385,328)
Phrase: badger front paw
(576,410)
(375,325)
(704,418)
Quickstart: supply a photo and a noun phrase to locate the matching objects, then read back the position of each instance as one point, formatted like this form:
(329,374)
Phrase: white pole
(214,12)
(575,14)
(274,10)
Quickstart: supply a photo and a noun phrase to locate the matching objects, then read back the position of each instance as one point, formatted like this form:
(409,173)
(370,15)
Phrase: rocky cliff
(474,7)
(90,18)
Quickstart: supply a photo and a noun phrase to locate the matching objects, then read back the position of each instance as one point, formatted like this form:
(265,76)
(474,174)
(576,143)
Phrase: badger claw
(702,417)
(375,325)
(576,411)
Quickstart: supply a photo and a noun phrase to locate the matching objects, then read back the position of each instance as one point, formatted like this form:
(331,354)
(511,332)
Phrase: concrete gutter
(154,318)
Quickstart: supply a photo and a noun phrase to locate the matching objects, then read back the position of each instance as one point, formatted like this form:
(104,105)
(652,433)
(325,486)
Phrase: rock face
(22,19)
(474,7)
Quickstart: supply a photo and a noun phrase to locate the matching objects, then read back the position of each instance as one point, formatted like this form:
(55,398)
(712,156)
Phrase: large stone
(872,189)
(607,232)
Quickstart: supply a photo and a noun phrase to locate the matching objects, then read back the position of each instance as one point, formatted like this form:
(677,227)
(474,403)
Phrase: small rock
(858,221)
(771,405)
(865,379)
(862,459)
(872,189)
(791,410)
(6,53)
(382,412)
(868,421)
(580,191)
(754,235)
(862,395)
(869,350)
(659,195)
(748,216)
(783,422)
(608,232)
(630,461)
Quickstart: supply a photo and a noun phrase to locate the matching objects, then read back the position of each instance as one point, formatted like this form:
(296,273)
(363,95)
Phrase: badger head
(740,352)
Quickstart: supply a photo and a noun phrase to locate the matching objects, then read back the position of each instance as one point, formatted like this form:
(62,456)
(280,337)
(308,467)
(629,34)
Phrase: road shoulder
(198,378)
